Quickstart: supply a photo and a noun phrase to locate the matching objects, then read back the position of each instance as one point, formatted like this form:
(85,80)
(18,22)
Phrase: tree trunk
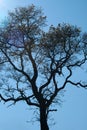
(43,119)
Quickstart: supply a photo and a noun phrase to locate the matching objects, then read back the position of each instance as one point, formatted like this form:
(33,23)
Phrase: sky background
(72,114)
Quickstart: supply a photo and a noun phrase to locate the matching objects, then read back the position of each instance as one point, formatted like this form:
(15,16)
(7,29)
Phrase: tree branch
(32,60)
(19,70)
(78,84)
(66,80)
(20,98)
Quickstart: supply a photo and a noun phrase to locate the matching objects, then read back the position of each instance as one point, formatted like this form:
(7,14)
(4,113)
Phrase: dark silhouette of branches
(34,60)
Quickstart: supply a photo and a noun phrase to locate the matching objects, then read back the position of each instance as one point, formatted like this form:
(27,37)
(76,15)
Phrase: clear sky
(72,114)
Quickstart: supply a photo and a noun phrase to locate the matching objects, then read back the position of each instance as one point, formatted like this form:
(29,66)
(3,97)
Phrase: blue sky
(72,114)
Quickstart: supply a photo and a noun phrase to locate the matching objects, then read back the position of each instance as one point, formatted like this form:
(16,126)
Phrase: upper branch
(66,80)
(33,64)
(52,97)
(15,67)
(78,84)
(47,83)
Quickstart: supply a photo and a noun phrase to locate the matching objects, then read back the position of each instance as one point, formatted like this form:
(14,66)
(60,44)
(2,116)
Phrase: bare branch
(78,84)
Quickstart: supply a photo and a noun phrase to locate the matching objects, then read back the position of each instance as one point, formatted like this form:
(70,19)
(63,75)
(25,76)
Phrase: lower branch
(15,100)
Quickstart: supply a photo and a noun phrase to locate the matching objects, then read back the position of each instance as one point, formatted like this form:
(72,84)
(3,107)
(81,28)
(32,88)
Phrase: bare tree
(33,61)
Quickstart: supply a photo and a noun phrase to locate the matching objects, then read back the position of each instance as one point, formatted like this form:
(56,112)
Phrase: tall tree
(34,61)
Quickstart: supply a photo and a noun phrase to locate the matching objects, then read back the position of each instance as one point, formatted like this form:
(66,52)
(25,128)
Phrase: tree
(33,61)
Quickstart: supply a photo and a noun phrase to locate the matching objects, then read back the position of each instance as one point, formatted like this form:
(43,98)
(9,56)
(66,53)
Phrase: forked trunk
(43,119)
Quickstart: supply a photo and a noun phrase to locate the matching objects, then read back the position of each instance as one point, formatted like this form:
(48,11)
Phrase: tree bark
(43,119)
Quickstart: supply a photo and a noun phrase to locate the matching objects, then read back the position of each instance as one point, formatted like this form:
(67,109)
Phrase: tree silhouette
(33,61)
